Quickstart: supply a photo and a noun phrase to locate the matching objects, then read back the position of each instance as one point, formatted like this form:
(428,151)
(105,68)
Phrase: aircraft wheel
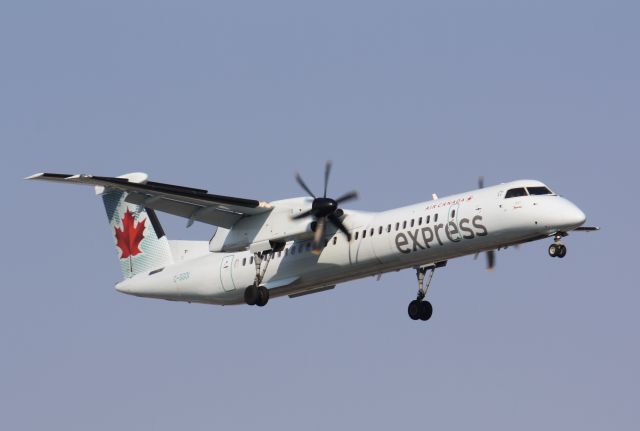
(425,310)
(263,296)
(553,250)
(251,295)
(563,251)
(414,309)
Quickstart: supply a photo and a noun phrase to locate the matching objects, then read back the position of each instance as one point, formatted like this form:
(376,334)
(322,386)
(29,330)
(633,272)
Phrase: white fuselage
(425,233)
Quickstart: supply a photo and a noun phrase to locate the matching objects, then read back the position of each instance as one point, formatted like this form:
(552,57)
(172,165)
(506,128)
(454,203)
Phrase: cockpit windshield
(528,191)
(541,190)
(514,193)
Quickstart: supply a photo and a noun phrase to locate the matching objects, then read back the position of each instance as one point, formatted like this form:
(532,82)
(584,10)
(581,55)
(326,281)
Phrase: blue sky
(407,99)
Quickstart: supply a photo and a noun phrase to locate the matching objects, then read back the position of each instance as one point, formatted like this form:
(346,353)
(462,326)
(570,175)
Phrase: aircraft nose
(579,217)
(573,216)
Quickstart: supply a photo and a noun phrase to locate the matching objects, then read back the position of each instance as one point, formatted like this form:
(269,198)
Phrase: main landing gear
(419,308)
(557,249)
(256,294)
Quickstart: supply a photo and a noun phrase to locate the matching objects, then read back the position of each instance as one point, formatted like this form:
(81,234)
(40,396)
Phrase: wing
(193,204)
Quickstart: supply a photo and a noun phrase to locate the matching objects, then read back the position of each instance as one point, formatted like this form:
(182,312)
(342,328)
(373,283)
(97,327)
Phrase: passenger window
(453,213)
(389,228)
(411,222)
(364,234)
(515,193)
(251,260)
(397,226)
(380,230)
(244,261)
(286,251)
(428,219)
(435,218)
(535,191)
(420,221)
(357,235)
(371,232)
(404,224)
(335,240)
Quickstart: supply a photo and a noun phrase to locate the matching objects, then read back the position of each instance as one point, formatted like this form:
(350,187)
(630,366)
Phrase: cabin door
(226,275)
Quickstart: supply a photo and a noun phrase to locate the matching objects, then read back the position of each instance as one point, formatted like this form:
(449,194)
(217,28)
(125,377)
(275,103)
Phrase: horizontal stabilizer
(191,203)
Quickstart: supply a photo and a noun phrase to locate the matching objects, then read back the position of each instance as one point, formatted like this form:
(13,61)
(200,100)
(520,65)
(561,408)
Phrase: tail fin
(140,240)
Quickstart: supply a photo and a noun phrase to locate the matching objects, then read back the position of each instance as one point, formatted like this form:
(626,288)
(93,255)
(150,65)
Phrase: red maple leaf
(128,238)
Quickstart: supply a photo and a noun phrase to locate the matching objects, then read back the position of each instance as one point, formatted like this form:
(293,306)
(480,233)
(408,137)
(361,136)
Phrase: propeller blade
(347,197)
(337,223)
(327,172)
(318,235)
(480,182)
(304,186)
(491,260)
(302,215)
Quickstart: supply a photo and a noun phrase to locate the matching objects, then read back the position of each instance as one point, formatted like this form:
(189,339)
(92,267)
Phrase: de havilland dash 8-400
(305,245)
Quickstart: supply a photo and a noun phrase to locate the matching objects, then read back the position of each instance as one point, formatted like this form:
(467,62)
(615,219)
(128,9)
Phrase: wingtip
(587,229)
(48,176)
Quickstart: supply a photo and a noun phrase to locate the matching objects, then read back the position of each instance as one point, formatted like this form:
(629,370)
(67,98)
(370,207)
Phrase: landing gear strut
(419,308)
(557,249)
(256,294)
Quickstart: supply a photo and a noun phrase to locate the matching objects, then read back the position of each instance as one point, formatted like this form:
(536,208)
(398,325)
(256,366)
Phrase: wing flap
(204,214)
(311,291)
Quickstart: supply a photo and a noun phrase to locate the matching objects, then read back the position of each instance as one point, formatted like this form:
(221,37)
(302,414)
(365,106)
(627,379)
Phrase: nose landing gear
(557,249)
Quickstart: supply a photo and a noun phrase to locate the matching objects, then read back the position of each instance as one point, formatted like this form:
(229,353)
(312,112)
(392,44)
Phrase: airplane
(306,245)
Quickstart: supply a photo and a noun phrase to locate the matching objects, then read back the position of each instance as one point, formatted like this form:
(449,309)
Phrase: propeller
(491,254)
(324,210)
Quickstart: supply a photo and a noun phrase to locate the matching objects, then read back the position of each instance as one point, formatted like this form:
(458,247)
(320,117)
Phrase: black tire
(426,310)
(562,252)
(553,250)
(251,295)
(414,309)
(263,296)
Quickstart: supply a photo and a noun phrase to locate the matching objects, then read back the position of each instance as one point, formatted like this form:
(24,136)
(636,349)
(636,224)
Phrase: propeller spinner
(324,209)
